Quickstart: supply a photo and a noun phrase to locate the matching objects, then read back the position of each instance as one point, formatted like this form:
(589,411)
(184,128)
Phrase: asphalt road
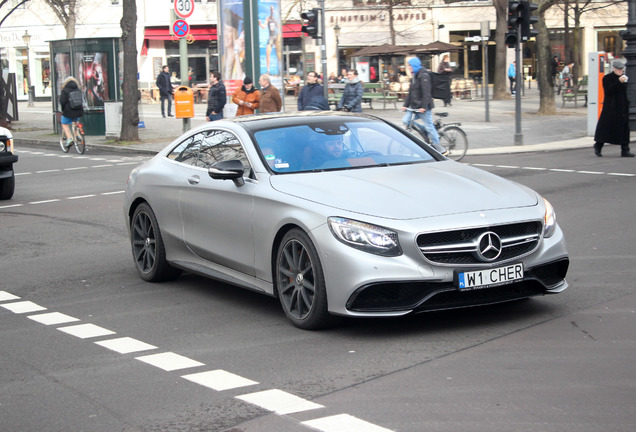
(558,363)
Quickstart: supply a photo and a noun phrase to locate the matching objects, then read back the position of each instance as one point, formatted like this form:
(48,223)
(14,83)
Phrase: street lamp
(336,32)
(26,38)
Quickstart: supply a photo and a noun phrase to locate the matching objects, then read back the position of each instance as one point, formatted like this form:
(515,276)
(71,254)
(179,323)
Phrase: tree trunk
(500,88)
(131,96)
(544,57)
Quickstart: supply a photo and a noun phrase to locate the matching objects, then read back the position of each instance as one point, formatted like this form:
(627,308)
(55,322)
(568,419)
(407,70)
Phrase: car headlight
(365,237)
(549,220)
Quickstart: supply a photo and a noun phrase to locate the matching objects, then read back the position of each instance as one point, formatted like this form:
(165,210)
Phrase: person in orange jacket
(247,98)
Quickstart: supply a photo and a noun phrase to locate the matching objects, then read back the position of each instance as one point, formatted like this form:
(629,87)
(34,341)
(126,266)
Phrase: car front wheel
(148,248)
(7,187)
(300,282)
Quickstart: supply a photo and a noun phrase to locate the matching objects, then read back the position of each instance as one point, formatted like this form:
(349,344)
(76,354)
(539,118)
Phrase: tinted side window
(188,151)
(220,146)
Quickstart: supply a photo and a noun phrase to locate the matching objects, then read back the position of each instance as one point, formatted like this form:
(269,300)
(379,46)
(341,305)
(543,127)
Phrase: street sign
(184,8)
(180,28)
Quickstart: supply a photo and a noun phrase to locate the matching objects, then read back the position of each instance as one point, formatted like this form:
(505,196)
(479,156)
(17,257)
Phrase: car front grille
(419,296)
(460,247)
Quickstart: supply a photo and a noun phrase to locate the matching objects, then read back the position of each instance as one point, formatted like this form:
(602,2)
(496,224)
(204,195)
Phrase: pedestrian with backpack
(71,101)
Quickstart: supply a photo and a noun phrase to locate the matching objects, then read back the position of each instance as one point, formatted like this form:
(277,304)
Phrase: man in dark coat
(216,97)
(165,89)
(613,125)
(310,90)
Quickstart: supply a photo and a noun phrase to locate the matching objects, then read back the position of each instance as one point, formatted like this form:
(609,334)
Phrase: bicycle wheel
(454,140)
(63,140)
(80,144)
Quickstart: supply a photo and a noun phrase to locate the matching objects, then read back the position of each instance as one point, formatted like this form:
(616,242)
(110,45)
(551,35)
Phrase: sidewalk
(567,129)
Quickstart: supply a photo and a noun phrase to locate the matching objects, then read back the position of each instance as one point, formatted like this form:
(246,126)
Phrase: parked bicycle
(77,133)
(451,136)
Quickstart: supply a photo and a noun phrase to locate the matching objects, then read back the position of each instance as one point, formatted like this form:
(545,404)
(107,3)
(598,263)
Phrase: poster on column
(231,49)
(91,73)
(270,41)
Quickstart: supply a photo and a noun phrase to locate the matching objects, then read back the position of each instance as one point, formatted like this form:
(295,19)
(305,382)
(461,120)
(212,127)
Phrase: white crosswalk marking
(279,401)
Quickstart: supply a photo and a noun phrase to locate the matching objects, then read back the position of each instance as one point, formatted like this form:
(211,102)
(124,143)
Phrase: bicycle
(77,132)
(451,137)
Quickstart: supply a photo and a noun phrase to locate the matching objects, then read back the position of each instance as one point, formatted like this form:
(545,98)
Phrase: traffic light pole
(323,50)
(518,82)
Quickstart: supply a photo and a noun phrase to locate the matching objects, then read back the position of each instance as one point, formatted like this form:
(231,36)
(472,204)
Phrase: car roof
(268,121)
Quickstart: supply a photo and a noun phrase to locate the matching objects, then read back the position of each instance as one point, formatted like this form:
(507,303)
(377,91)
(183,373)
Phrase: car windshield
(337,144)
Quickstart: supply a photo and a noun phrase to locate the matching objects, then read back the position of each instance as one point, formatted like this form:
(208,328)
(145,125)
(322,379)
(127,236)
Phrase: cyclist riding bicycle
(70,109)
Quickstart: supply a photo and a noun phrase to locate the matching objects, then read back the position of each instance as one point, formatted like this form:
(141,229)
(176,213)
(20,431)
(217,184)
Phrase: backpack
(75,100)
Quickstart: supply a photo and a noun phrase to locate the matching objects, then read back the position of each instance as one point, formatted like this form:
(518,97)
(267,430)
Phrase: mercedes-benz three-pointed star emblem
(488,246)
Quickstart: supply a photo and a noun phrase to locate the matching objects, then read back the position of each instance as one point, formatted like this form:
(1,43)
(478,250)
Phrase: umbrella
(437,47)
(381,50)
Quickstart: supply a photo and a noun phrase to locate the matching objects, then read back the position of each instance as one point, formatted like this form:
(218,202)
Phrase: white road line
(85,331)
(24,173)
(561,170)
(343,423)
(74,169)
(53,318)
(219,380)
(508,166)
(102,166)
(535,168)
(169,361)
(6,296)
(23,307)
(279,401)
(622,174)
(11,206)
(45,202)
(128,163)
(112,193)
(47,171)
(81,196)
(591,172)
(126,345)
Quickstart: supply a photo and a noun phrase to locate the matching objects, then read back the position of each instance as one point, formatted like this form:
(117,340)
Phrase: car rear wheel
(148,248)
(301,283)
(7,187)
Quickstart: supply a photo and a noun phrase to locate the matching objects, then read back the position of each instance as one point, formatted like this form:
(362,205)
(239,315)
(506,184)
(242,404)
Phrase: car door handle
(194,180)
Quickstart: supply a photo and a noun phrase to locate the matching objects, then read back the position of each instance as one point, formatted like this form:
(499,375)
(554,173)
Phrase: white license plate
(489,278)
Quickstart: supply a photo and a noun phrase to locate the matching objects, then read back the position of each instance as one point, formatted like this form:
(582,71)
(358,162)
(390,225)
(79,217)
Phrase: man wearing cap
(613,125)
(247,98)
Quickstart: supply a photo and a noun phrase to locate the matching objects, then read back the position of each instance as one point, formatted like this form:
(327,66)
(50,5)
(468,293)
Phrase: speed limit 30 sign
(184,8)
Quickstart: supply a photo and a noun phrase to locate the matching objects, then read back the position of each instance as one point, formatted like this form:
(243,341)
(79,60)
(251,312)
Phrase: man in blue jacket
(310,90)
(420,99)
(512,76)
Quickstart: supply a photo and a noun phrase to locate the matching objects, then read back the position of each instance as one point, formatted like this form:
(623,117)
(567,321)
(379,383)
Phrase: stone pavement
(567,129)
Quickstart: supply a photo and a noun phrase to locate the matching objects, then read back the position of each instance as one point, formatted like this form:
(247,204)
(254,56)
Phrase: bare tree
(5,6)
(544,57)
(131,96)
(66,11)
(501,9)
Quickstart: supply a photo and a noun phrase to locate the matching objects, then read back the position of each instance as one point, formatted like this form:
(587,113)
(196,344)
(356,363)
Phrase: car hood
(407,191)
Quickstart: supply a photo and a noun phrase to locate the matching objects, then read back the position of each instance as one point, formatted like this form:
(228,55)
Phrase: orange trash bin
(183,102)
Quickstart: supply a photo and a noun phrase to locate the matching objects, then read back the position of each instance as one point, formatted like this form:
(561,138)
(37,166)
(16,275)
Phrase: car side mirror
(228,170)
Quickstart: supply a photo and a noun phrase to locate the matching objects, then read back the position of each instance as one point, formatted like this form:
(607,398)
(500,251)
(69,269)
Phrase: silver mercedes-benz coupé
(339,215)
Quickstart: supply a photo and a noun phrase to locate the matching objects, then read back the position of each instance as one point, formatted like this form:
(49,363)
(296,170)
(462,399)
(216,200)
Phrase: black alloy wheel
(148,248)
(300,282)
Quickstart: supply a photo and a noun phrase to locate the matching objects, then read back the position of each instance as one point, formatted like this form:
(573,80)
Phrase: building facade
(362,23)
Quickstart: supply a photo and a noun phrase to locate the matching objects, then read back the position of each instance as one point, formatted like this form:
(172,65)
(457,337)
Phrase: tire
(148,249)
(80,143)
(65,149)
(454,141)
(7,187)
(300,282)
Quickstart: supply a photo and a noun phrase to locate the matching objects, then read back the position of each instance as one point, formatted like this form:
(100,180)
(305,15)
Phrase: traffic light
(515,10)
(310,24)
(527,20)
